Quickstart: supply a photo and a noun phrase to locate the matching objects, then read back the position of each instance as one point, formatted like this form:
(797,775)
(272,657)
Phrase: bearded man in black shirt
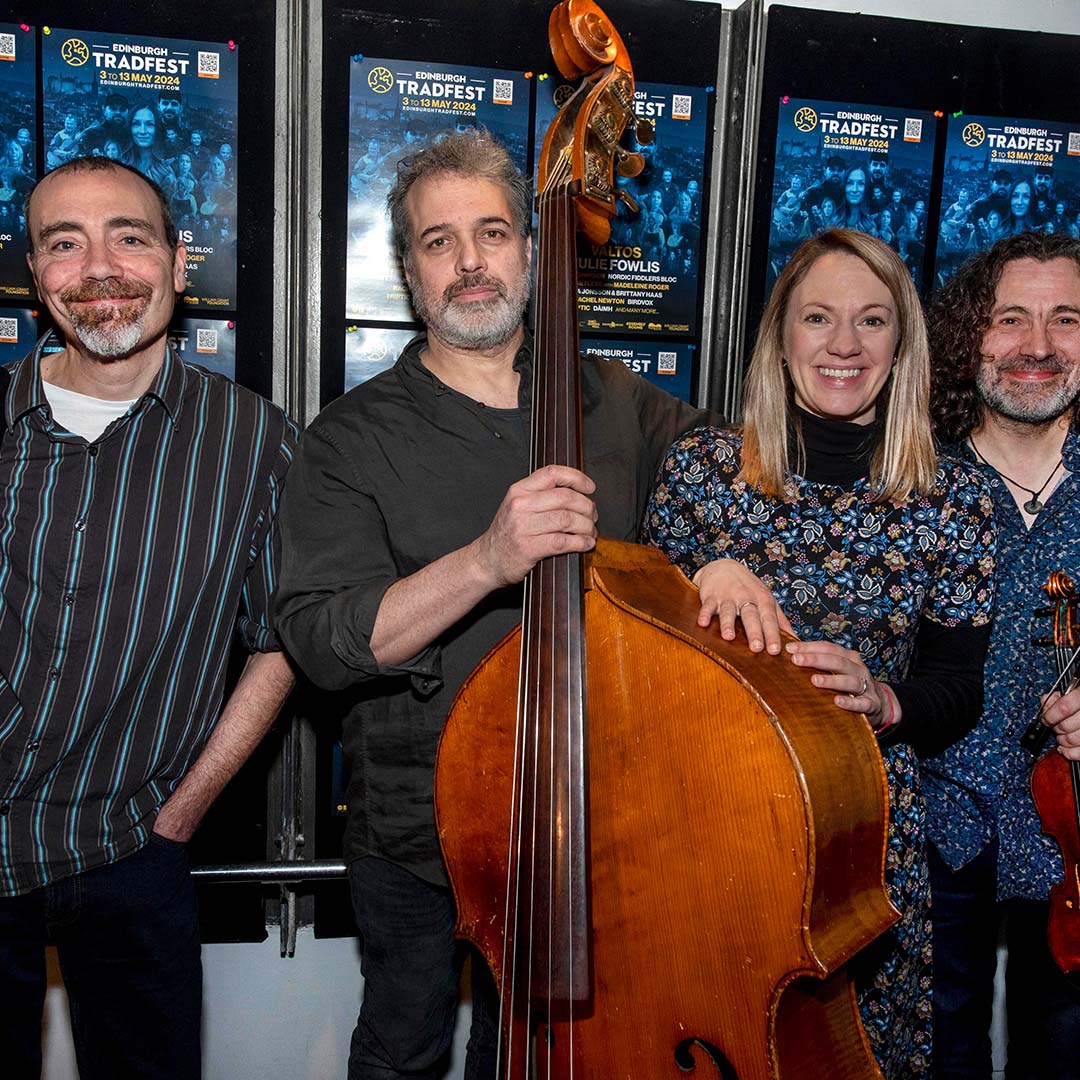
(410,521)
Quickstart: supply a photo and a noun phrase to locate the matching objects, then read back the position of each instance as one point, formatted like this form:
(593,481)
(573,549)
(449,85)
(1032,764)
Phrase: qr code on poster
(665,363)
(9,330)
(502,91)
(1074,142)
(206,341)
(7,46)
(912,129)
(209,65)
(680,106)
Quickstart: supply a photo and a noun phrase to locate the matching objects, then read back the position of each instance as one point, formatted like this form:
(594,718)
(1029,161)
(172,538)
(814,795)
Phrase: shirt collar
(26,392)
(412,367)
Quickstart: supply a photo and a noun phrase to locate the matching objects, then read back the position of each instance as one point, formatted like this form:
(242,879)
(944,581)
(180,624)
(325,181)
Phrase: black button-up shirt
(124,565)
(397,473)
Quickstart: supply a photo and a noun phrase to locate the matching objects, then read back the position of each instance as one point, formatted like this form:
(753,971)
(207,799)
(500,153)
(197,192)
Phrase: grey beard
(484,325)
(109,339)
(1033,409)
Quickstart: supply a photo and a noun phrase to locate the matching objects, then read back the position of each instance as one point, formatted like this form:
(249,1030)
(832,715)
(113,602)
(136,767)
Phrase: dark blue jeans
(1043,1006)
(412,970)
(127,938)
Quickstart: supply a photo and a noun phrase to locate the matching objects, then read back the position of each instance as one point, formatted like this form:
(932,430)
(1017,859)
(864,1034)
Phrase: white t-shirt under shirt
(81,414)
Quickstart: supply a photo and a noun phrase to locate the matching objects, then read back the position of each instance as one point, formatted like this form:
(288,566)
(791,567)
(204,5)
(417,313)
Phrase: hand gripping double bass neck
(665,847)
(1055,783)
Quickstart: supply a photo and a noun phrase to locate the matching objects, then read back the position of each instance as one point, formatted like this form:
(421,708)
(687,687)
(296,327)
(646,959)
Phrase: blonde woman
(878,556)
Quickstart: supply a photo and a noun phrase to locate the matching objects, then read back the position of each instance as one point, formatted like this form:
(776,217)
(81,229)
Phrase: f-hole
(686,1061)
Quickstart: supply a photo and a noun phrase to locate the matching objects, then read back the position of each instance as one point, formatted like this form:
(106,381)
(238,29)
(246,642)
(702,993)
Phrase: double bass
(1055,784)
(665,847)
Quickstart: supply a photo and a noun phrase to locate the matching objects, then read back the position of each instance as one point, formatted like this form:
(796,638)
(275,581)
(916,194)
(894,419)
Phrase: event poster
(18,130)
(666,364)
(394,105)
(169,109)
(1004,176)
(645,279)
(18,333)
(865,167)
(369,350)
(210,343)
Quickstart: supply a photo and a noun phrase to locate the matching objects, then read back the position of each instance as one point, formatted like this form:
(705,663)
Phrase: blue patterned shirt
(978,788)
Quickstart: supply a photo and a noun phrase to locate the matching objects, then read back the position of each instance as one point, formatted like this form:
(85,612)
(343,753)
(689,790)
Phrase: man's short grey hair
(471,153)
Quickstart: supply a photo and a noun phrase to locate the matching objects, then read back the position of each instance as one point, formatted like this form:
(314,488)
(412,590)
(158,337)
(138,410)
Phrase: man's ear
(180,268)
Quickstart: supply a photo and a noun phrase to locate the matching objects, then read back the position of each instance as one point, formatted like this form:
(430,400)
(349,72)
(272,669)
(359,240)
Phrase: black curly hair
(958,319)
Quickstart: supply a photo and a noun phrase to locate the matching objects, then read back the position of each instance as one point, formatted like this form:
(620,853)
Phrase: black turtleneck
(941,699)
(836,453)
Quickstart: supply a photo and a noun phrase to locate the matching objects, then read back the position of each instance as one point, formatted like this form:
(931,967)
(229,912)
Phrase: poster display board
(210,343)
(394,105)
(645,279)
(169,109)
(1004,176)
(666,364)
(18,156)
(843,164)
(18,333)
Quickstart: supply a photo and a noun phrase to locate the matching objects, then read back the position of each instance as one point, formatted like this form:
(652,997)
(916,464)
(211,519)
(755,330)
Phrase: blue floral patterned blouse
(978,788)
(865,575)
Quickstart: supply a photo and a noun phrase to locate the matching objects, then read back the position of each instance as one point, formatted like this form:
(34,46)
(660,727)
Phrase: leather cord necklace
(1033,506)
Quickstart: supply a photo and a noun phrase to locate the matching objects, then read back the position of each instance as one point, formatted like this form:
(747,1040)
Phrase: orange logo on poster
(381,80)
(74,52)
(805,119)
(974,134)
(563,94)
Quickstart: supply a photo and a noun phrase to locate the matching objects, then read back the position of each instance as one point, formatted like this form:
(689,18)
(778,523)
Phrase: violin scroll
(1066,639)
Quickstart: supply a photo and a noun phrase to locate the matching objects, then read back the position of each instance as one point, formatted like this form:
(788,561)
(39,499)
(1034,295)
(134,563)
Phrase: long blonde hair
(903,460)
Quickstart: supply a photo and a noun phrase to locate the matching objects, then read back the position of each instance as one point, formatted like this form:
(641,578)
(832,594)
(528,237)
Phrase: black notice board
(901,62)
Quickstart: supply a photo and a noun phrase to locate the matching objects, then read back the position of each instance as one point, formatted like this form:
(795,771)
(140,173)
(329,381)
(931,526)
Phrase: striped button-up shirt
(125,565)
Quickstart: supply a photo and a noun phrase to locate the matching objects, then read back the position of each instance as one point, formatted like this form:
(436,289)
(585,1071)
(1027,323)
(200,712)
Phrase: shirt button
(54,674)
(33,745)
(92,450)
(80,525)
(69,598)
(5,809)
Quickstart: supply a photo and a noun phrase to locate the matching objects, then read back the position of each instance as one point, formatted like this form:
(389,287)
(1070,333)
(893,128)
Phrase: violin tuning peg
(628,199)
(630,164)
(644,131)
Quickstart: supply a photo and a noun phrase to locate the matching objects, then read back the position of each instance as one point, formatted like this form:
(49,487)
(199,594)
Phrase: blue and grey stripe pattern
(125,566)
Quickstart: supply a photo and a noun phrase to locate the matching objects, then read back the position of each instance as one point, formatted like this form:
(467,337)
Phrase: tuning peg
(629,164)
(644,131)
(627,199)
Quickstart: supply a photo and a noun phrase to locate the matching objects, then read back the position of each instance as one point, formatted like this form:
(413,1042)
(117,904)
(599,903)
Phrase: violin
(1055,783)
(665,847)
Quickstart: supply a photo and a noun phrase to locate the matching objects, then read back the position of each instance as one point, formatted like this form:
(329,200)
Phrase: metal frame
(731,185)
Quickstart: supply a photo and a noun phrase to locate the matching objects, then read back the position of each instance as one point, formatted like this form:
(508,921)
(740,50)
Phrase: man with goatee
(410,521)
(138,498)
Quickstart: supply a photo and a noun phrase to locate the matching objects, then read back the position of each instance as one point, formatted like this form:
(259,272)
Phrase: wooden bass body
(737,824)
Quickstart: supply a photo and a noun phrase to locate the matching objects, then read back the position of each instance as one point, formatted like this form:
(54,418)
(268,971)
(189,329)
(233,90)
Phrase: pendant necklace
(1033,506)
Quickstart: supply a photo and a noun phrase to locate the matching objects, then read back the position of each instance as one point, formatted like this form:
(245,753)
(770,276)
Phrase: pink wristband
(891,718)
